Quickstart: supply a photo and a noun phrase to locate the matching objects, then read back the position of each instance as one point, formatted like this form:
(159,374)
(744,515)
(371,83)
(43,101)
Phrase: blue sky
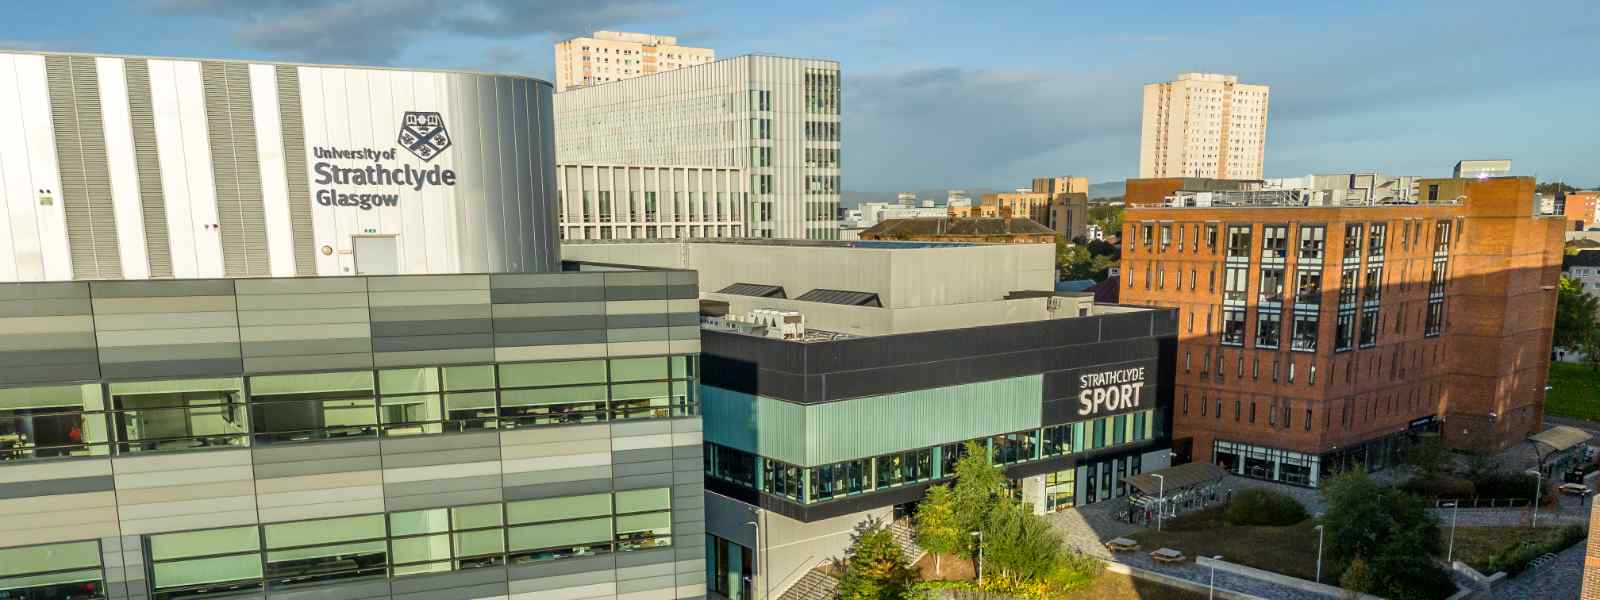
(990,94)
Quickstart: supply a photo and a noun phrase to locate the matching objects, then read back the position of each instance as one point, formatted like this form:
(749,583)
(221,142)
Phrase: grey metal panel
(313,451)
(321,467)
(49,373)
(285,364)
(556,582)
(690,528)
(603,563)
(294,160)
(690,466)
(641,320)
(555,490)
(636,292)
(432,443)
(651,334)
(51,308)
(550,294)
(432,342)
(645,468)
(395,503)
(640,456)
(235,168)
(650,427)
(85,174)
(561,323)
(185,352)
(338,591)
(644,585)
(44,290)
(440,457)
(434,357)
(439,486)
(532,478)
(639,482)
(430,327)
(550,338)
(642,558)
(161,289)
(55,487)
(179,368)
(429,313)
(309,347)
(451,580)
(12,353)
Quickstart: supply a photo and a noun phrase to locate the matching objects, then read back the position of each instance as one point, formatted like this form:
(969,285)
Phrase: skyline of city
(1072,107)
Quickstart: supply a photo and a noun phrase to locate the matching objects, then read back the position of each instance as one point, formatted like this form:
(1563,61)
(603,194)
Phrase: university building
(1318,338)
(224,377)
(841,379)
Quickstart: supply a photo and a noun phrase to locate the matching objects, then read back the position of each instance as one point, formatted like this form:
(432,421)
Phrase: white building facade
(139,168)
(775,118)
(608,56)
(1204,125)
(624,202)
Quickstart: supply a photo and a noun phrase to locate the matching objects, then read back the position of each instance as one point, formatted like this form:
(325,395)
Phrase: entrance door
(376,256)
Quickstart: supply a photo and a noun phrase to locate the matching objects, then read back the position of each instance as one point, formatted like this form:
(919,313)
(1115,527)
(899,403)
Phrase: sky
(991,94)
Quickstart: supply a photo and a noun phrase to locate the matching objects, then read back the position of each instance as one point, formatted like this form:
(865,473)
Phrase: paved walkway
(1560,579)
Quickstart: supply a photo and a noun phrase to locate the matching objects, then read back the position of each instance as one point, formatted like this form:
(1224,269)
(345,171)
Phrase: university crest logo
(423,134)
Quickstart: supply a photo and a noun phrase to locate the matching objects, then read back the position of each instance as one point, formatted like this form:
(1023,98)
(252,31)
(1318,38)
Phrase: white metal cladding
(702,116)
(190,169)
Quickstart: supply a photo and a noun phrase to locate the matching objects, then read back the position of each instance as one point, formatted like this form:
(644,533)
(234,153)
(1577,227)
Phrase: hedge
(1514,559)
(1265,508)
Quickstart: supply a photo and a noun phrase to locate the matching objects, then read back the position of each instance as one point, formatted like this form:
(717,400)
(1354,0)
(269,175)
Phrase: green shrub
(1264,508)
(1505,485)
(1515,558)
(1439,487)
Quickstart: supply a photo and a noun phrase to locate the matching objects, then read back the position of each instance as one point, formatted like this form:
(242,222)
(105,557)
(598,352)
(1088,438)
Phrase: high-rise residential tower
(610,56)
(1203,125)
(775,118)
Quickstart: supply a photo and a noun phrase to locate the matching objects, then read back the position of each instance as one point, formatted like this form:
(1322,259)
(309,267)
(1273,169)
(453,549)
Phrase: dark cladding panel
(1126,325)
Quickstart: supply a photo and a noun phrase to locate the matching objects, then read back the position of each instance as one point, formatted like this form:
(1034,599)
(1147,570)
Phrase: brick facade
(1484,351)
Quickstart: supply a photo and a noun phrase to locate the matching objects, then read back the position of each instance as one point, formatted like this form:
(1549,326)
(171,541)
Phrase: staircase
(814,585)
(906,537)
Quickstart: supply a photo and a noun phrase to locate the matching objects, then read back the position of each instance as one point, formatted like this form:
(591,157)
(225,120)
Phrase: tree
(1391,530)
(1020,544)
(1429,457)
(1074,261)
(1357,578)
(873,568)
(1575,315)
(938,527)
(978,490)
(1108,217)
(1553,187)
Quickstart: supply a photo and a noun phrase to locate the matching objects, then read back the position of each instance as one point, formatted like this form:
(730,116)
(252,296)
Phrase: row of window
(158,415)
(687,206)
(280,556)
(1275,239)
(859,476)
(822,91)
(822,131)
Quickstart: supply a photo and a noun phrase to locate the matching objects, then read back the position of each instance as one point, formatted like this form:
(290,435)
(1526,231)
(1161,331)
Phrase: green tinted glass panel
(473,517)
(465,400)
(681,367)
(552,373)
(418,569)
(478,543)
(635,391)
(52,557)
(305,383)
(556,509)
(20,583)
(658,522)
(434,520)
(325,531)
(420,549)
(478,377)
(207,570)
(408,381)
(86,397)
(552,535)
(373,547)
(644,500)
(170,386)
(588,393)
(635,369)
(204,543)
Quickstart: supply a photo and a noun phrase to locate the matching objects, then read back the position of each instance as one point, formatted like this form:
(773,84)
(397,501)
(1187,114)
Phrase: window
(1375,241)
(822,91)
(644,519)
(567,392)
(1305,332)
(310,406)
(446,539)
(1236,285)
(1369,328)
(760,100)
(1373,292)
(1239,242)
(1237,410)
(1147,234)
(1166,236)
(321,550)
(1271,285)
(179,414)
(1311,243)
(1348,286)
(1352,242)
(761,129)
(1308,286)
(1268,328)
(211,562)
(1435,321)
(1274,242)
(550,528)
(66,571)
(1252,412)
(1344,332)
(1233,326)
(1211,236)
(761,156)
(52,421)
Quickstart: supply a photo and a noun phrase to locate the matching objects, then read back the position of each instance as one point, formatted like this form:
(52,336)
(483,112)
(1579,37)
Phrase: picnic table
(1121,544)
(1167,555)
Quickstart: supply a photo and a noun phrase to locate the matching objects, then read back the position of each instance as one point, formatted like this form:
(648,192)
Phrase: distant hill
(1105,189)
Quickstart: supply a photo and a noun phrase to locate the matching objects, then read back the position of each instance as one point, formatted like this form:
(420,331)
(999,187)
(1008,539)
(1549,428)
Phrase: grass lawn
(1474,545)
(1288,550)
(1574,393)
(1116,586)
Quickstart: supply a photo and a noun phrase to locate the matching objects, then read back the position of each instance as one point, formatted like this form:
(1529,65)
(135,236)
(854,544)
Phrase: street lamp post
(1214,559)
(1319,552)
(1455,508)
(1538,485)
(979,535)
(1161,505)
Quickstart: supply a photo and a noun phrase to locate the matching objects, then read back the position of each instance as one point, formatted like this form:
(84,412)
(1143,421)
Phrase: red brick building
(1318,338)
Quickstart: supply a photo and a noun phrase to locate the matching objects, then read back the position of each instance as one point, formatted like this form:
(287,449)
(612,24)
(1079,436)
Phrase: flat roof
(873,244)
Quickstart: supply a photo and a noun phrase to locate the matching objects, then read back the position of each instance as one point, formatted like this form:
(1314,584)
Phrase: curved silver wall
(133,168)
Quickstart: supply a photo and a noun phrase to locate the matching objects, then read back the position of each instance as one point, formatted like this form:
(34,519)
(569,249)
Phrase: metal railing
(1483,502)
